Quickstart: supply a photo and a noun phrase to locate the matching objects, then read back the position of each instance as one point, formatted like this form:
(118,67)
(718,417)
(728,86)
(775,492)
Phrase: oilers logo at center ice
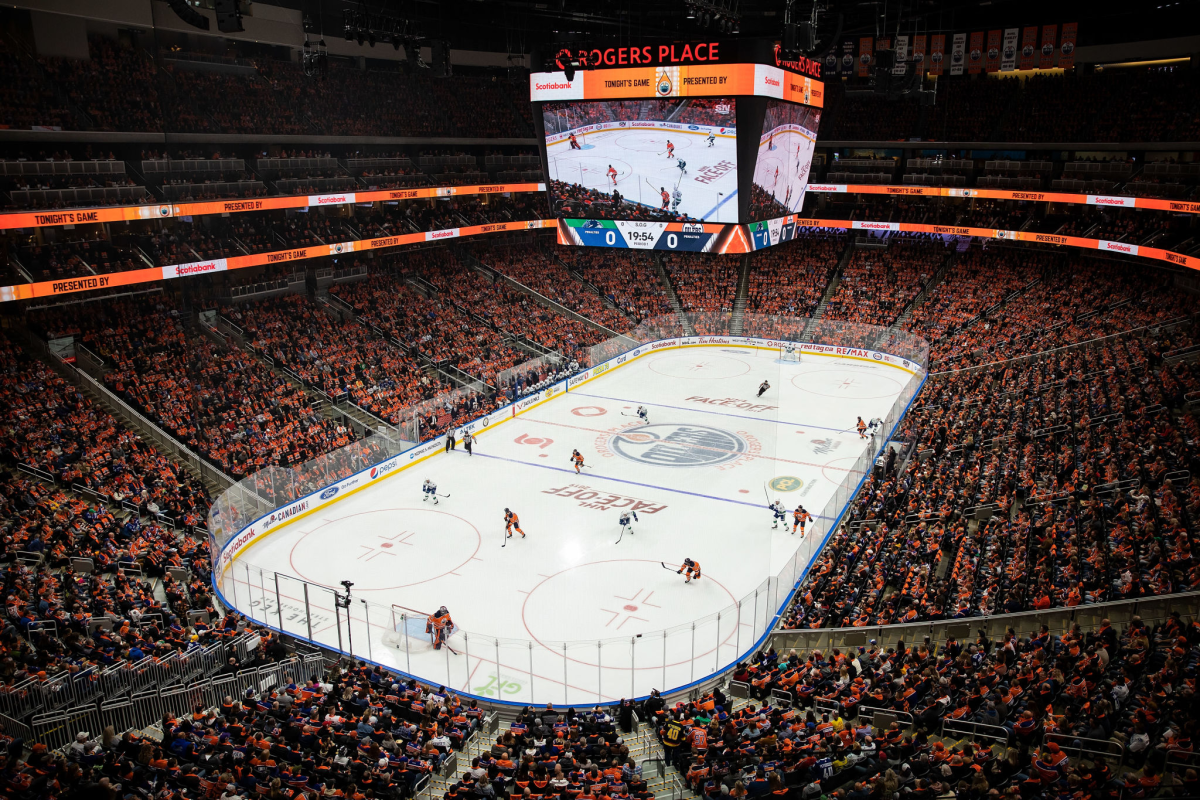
(677,453)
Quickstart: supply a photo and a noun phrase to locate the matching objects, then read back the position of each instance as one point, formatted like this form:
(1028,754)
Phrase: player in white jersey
(780,514)
(628,518)
(429,488)
(676,198)
(712,138)
(643,415)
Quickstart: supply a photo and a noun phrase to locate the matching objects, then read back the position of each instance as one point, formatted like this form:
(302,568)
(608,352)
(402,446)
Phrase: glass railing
(534,669)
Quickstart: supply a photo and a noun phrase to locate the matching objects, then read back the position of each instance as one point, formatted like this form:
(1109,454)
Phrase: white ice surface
(569,580)
(639,156)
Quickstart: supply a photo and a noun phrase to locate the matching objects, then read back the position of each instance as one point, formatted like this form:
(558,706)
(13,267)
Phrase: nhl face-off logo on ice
(679,445)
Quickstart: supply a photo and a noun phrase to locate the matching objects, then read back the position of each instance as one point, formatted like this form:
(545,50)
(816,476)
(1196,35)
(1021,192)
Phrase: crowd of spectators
(629,279)
(73,257)
(116,88)
(1049,693)
(573,200)
(341,358)
(715,111)
(51,426)
(218,400)
(1085,458)
(789,280)
(878,284)
(1076,299)
(547,276)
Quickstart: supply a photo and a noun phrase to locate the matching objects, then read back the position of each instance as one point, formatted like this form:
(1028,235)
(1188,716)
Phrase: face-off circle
(615,600)
(674,445)
(390,548)
(849,385)
(699,366)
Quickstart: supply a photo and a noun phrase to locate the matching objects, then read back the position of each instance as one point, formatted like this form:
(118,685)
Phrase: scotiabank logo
(1120,247)
(769,81)
(1102,200)
(198,268)
(446,234)
(822,187)
(333,199)
(556,85)
(875,226)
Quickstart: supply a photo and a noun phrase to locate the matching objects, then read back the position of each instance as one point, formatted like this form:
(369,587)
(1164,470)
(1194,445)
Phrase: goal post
(789,353)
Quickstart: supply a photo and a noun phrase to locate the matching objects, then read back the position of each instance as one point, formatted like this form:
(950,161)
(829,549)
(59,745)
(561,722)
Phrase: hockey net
(409,631)
(789,353)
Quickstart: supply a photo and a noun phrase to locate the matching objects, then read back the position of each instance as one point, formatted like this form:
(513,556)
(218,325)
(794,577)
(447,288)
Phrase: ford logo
(328,493)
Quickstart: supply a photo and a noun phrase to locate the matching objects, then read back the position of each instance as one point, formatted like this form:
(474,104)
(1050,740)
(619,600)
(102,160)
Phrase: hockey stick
(447,494)
(622,536)
(507,536)
(664,566)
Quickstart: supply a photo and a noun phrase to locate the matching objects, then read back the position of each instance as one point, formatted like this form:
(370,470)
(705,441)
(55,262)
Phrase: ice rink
(709,188)
(568,614)
(783,163)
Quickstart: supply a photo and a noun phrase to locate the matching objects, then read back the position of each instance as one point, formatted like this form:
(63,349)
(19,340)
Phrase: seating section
(629,280)
(790,281)
(1031,714)
(549,277)
(218,401)
(343,359)
(877,285)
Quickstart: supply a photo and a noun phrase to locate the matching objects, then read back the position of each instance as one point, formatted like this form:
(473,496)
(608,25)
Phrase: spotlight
(691,12)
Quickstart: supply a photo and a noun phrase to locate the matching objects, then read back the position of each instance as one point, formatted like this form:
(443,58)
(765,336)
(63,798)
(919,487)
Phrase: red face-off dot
(630,607)
(386,544)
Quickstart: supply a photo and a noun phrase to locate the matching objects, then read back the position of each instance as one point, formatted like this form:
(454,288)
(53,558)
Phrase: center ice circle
(675,445)
(699,366)
(384,549)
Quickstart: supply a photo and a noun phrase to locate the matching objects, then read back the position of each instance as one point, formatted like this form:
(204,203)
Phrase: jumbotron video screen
(660,159)
(708,158)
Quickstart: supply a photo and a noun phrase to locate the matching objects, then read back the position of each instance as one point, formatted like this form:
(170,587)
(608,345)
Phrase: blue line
(619,480)
(704,411)
(715,208)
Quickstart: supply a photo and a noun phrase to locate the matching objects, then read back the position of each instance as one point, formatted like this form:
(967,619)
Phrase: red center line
(693,446)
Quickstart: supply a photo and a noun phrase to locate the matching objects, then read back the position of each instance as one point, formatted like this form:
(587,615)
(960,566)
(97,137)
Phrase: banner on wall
(865,52)
(958,54)
(937,54)
(1029,47)
(991,61)
(1008,50)
(975,54)
(1066,48)
(1046,57)
(918,53)
(901,66)
(846,66)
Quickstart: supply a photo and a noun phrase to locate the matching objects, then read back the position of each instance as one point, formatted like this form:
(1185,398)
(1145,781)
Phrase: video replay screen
(785,152)
(667,160)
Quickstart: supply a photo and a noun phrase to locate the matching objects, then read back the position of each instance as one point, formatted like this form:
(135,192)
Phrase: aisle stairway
(671,295)
(736,323)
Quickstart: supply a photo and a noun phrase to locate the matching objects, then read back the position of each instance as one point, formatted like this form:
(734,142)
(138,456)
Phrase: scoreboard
(679,145)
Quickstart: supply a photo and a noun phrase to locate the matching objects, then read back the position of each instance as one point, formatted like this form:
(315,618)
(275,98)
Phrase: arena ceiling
(520,26)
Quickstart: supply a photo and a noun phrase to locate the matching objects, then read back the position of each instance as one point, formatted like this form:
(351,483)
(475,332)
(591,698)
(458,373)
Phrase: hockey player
(691,567)
(439,626)
(643,415)
(862,428)
(574,143)
(612,174)
(676,199)
(682,166)
(780,515)
(788,197)
(666,198)
(670,149)
(577,460)
(712,138)
(512,522)
(799,518)
(762,388)
(625,523)
(430,490)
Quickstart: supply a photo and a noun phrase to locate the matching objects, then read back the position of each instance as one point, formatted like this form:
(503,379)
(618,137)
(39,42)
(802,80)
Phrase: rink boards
(685,656)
